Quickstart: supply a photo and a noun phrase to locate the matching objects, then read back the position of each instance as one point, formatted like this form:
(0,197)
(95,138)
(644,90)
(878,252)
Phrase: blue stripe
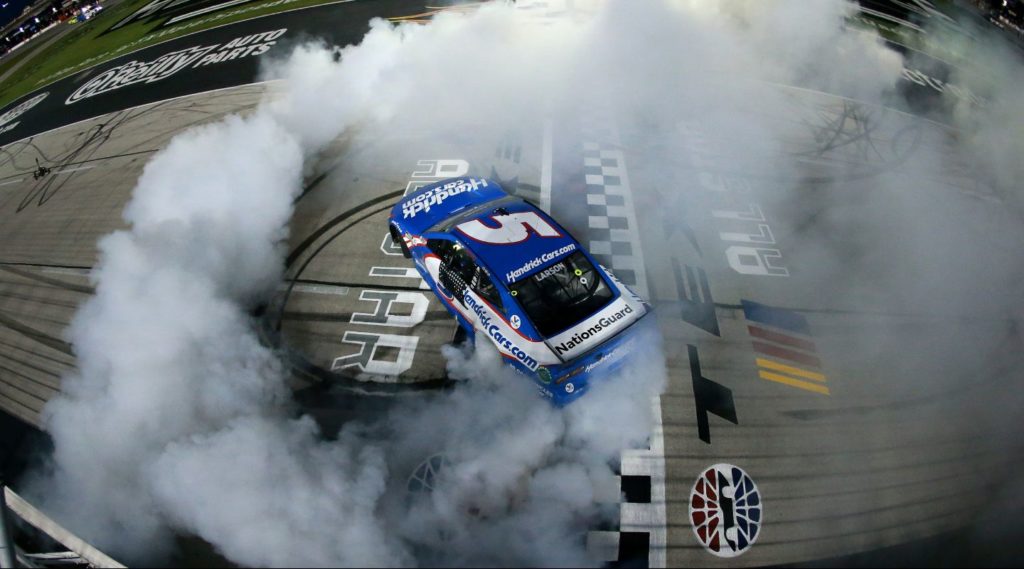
(777,317)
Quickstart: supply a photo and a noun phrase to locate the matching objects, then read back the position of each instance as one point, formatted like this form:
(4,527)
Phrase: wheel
(401,242)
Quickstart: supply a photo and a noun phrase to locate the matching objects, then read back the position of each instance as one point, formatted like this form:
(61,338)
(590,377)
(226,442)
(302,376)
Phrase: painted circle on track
(726,510)
(22,108)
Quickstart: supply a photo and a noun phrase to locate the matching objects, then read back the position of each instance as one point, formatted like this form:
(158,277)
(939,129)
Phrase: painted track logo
(168,64)
(725,510)
(19,110)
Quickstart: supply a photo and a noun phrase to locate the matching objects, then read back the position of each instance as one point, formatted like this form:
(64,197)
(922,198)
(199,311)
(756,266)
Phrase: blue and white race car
(506,269)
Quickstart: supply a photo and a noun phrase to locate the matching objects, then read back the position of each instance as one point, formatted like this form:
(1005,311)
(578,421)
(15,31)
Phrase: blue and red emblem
(725,510)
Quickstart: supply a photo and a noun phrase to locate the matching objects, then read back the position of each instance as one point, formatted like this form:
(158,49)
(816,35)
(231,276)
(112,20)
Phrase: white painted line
(318,289)
(947,127)
(34,517)
(13,182)
(8,552)
(197,13)
(545,168)
(69,170)
(399,273)
(885,16)
(653,517)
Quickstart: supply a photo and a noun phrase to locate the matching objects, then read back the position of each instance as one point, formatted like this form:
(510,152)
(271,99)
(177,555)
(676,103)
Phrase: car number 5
(511,228)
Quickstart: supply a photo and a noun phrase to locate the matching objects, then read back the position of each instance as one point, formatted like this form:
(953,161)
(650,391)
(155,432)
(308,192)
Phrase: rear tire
(401,242)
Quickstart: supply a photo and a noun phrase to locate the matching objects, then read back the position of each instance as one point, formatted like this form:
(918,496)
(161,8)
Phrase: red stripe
(787,354)
(780,338)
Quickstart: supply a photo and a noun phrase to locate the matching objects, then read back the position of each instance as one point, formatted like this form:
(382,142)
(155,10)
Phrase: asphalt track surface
(846,459)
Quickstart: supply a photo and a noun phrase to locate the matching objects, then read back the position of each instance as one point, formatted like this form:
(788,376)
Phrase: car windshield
(562,294)
(470,211)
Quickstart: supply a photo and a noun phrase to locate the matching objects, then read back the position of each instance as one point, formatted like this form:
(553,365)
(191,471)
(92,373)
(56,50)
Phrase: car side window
(484,286)
(440,247)
(457,267)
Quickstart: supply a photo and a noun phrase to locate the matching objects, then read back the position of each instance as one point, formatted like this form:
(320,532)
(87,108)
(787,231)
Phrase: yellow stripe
(415,16)
(790,370)
(793,382)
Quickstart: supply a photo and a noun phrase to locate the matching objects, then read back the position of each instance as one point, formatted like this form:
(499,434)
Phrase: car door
(457,268)
(483,286)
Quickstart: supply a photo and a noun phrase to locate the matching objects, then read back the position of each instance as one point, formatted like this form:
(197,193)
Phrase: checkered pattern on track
(611,218)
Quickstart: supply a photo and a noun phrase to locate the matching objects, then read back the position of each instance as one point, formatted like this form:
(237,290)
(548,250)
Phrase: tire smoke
(179,420)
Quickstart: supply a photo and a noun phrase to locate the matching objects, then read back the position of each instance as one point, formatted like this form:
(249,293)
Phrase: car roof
(428,206)
(512,262)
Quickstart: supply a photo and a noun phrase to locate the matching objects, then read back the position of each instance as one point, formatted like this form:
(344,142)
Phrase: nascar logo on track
(725,510)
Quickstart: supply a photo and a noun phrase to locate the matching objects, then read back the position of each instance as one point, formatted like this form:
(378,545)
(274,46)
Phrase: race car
(507,270)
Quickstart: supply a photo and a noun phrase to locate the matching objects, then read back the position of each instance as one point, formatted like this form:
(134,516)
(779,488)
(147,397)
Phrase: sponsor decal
(553,270)
(437,196)
(544,374)
(569,388)
(604,322)
(515,321)
(413,241)
(169,64)
(494,331)
(725,510)
(18,111)
(612,356)
(532,264)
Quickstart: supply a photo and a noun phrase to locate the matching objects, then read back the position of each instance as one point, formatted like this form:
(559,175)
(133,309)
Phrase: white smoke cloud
(165,350)
(267,492)
(525,481)
(176,398)
(179,419)
(991,133)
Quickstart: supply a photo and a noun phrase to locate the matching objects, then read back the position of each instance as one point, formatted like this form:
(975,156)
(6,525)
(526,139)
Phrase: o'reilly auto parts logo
(169,64)
(18,111)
